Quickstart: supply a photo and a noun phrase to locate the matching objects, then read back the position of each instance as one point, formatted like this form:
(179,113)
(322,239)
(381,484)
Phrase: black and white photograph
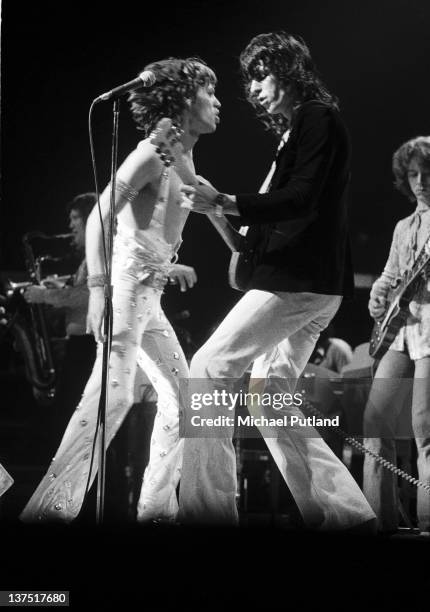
(215,304)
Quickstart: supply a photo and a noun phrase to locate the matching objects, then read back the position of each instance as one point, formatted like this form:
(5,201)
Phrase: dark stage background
(56,57)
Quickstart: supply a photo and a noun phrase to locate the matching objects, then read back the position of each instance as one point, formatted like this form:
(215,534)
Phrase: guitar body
(242,262)
(240,271)
(384,332)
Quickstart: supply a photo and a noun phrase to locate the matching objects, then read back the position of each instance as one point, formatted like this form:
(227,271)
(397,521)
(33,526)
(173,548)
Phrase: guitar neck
(167,150)
(227,232)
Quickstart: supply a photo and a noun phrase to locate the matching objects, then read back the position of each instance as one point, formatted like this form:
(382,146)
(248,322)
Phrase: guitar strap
(421,260)
(415,225)
(268,180)
(267,183)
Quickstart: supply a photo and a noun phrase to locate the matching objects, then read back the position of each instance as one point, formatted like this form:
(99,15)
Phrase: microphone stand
(107,325)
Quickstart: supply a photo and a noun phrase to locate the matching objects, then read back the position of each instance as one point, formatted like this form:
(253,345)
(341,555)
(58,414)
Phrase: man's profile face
(272,96)
(419,180)
(204,110)
(77,225)
(269,92)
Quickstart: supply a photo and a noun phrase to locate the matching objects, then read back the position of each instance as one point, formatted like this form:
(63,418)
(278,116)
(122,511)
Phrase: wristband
(126,190)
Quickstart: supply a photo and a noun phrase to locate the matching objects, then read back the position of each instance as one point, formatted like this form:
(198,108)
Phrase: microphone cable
(106,270)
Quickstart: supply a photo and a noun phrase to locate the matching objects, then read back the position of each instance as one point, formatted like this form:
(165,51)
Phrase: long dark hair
(288,59)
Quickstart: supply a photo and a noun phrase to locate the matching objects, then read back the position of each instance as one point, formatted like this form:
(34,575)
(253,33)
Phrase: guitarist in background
(298,241)
(149,228)
(409,354)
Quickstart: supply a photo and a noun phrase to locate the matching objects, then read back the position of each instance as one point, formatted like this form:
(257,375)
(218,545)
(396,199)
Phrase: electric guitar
(385,330)
(166,139)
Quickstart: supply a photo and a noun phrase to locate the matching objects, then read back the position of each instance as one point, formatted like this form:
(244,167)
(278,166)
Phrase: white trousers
(278,333)
(141,334)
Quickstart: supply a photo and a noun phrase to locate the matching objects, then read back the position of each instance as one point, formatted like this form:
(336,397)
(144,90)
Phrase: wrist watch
(220,201)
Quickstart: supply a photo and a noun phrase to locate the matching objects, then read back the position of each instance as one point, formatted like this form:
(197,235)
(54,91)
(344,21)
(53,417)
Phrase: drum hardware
(27,322)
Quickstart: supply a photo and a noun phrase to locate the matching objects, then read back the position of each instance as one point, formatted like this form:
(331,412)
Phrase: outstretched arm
(205,199)
(316,147)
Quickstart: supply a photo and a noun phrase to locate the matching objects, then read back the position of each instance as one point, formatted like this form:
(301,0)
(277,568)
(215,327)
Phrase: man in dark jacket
(297,242)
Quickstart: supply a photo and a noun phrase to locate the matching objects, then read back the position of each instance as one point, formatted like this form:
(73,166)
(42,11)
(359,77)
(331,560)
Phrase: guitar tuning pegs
(154,134)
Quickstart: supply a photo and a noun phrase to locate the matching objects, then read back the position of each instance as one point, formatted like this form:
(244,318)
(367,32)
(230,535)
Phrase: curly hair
(176,81)
(288,59)
(418,148)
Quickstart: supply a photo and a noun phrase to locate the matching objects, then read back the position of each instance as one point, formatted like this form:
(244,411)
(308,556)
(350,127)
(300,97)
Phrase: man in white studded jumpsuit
(149,227)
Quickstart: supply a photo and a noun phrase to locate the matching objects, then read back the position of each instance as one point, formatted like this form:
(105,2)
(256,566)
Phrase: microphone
(145,79)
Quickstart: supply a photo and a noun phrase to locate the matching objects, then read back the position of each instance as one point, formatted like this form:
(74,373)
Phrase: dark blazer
(299,228)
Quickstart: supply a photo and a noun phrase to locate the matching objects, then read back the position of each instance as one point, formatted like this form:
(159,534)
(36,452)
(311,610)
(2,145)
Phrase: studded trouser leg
(140,332)
(162,359)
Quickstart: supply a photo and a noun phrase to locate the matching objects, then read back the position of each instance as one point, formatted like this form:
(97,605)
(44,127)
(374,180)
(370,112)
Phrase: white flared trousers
(278,333)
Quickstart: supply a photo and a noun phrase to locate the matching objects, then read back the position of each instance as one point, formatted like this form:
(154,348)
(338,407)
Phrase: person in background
(331,352)
(72,298)
(406,364)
